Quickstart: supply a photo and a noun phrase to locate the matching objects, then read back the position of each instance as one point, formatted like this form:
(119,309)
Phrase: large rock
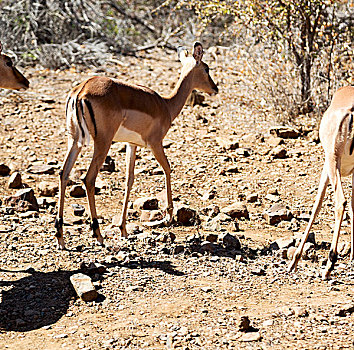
(236,210)
(15,180)
(276,213)
(24,200)
(77,191)
(282,243)
(84,287)
(108,165)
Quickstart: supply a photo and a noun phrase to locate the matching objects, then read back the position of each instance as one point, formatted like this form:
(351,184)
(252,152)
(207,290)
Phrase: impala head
(10,77)
(200,70)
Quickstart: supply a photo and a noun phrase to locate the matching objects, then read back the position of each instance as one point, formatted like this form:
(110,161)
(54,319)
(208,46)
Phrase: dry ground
(153,299)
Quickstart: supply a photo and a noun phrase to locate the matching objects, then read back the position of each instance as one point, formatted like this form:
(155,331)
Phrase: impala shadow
(34,301)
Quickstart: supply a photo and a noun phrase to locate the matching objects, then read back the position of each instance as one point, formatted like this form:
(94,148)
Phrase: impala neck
(178,97)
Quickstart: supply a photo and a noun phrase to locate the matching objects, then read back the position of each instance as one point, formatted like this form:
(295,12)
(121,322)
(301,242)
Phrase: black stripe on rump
(78,120)
(92,115)
(351,133)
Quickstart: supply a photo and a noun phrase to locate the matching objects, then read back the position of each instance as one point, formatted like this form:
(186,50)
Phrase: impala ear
(198,52)
(182,53)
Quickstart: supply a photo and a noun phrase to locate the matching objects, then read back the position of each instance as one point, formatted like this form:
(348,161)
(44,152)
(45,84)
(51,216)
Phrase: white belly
(125,135)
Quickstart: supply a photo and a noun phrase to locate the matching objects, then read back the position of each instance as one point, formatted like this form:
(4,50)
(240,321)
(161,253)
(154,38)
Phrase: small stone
(230,241)
(108,165)
(24,200)
(211,210)
(84,287)
(236,210)
(146,203)
(179,248)
(345,310)
(252,198)
(15,180)
(300,311)
(41,169)
(48,189)
(208,247)
(279,152)
(284,132)
(275,141)
(250,336)
(282,243)
(77,191)
(227,144)
(211,237)
(290,252)
(4,170)
(78,209)
(276,213)
(186,216)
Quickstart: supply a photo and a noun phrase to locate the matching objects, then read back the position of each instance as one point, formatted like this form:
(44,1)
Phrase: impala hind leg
(315,210)
(340,204)
(130,164)
(99,155)
(70,158)
(352,222)
(160,156)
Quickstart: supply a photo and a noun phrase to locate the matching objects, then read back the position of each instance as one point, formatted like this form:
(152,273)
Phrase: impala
(10,77)
(337,138)
(110,110)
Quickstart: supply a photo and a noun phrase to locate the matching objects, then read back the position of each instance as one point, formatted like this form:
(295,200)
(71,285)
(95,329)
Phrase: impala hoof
(61,243)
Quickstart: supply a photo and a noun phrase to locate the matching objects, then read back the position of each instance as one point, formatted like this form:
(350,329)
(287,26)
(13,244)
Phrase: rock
(4,170)
(96,268)
(211,237)
(300,311)
(48,189)
(275,141)
(166,237)
(41,169)
(186,216)
(213,225)
(308,252)
(211,210)
(146,203)
(290,252)
(108,165)
(344,249)
(151,215)
(84,287)
(15,180)
(179,248)
(243,152)
(284,132)
(250,336)
(278,152)
(272,198)
(230,241)
(208,247)
(345,310)
(77,191)
(276,213)
(78,209)
(227,144)
(236,210)
(252,198)
(24,200)
(210,194)
(244,324)
(282,243)
(311,238)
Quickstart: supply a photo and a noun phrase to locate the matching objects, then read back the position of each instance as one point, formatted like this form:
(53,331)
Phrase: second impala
(109,110)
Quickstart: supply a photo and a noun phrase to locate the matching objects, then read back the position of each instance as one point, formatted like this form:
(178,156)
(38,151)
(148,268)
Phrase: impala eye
(9,63)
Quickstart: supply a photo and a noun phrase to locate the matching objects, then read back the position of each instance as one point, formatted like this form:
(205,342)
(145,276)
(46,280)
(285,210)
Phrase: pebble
(84,287)
(236,210)
(15,180)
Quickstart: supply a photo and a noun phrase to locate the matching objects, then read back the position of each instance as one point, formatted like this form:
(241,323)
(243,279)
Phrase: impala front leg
(160,156)
(130,164)
(352,222)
